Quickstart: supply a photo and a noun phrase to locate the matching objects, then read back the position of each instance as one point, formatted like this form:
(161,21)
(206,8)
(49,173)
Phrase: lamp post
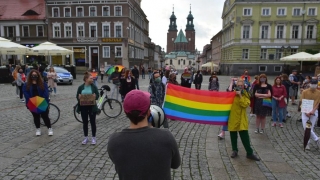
(198,60)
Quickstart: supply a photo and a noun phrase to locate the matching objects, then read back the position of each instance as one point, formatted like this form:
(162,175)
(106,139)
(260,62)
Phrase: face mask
(157,80)
(262,79)
(313,86)
(307,80)
(34,77)
(235,82)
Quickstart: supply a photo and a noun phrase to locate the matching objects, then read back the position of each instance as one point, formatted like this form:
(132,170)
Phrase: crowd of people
(264,98)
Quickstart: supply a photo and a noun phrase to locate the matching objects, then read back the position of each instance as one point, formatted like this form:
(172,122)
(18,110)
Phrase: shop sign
(82,50)
(111,39)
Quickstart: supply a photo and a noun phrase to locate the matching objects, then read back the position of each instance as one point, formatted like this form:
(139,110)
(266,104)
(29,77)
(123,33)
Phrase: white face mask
(313,86)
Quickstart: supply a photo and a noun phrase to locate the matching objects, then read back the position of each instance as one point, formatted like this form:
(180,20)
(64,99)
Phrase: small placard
(87,100)
(307,105)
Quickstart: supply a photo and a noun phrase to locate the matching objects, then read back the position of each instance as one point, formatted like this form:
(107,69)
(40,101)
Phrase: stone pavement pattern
(25,156)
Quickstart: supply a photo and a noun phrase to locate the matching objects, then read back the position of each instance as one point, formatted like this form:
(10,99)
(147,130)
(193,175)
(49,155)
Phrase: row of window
(280,32)
(265,55)
(80,11)
(282,11)
(180,62)
(93,30)
(118,52)
(11,31)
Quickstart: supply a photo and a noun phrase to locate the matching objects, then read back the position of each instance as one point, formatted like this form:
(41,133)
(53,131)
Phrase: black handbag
(14,83)
(55,80)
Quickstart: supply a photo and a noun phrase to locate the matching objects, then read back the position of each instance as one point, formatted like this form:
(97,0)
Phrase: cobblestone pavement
(25,156)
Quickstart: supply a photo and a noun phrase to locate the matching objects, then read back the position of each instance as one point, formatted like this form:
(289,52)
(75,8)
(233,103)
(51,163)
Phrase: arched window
(178,62)
(184,62)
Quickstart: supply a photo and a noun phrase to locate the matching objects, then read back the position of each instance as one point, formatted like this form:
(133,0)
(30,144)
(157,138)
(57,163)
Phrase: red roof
(22,9)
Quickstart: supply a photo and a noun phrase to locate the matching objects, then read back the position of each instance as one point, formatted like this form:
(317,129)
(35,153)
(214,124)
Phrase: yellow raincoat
(238,120)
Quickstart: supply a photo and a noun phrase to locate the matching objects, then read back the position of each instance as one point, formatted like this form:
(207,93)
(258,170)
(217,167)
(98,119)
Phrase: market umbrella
(301,56)
(113,68)
(307,133)
(11,48)
(37,104)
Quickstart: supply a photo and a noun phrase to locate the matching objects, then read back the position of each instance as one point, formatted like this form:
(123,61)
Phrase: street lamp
(198,60)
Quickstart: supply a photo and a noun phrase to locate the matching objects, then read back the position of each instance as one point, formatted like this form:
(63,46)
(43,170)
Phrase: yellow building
(256,34)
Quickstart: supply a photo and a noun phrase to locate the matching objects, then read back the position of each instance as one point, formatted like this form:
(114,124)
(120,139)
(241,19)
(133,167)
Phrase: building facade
(256,34)
(24,25)
(99,32)
(216,44)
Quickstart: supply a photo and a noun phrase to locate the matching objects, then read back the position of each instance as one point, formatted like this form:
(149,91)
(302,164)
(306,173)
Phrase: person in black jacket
(198,80)
(135,73)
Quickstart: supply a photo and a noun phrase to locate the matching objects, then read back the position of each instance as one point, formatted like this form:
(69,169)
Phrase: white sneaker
(22,100)
(50,132)
(38,132)
(85,141)
(307,147)
(93,141)
(251,115)
(18,96)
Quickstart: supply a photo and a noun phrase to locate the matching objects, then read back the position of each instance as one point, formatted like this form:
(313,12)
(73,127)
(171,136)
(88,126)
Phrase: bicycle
(113,110)
(54,112)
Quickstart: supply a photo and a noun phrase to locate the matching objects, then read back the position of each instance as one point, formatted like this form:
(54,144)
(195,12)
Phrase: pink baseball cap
(137,100)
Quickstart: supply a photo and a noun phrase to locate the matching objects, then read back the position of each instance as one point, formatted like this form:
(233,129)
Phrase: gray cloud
(207,14)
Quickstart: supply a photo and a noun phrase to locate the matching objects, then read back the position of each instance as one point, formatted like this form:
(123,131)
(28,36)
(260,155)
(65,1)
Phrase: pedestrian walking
(143,73)
(127,83)
(198,80)
(21,79)
(311,94)
(94,75)
(115,76)
(102,72)
(135,73)
(142,152)
(262,102)
(122,77)
(213,82)
(35,86)
(238,121)
(293,91)
(88,112)
(150,72)
(279,94)
(15,73)
(157,90)
(52,80)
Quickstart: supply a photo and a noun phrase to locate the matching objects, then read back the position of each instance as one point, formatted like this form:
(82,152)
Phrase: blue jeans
(137,83)
(276,110)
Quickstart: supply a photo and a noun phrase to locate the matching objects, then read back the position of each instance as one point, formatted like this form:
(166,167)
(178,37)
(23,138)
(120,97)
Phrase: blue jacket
(42,93)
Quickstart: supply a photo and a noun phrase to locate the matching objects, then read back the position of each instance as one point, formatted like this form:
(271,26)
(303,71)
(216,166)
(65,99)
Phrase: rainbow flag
(198,106)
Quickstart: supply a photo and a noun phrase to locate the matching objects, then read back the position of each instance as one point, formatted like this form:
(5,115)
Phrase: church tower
(172,33)
(190,32)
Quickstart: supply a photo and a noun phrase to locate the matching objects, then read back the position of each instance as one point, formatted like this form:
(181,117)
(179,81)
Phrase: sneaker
(85,141)
(93,141)
(288,115)
(22,100)
(38,132)
(274,124)
(18,96)
(307,147)
(253,157)
(221,135)
(234,154)
(281,125)
(261,131)
(251,115)
(257,130)
(50,132)
(299,120)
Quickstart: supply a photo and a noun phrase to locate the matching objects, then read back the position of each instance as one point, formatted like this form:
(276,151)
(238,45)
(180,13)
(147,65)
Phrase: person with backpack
(214,82)
(198,80)
(157,90)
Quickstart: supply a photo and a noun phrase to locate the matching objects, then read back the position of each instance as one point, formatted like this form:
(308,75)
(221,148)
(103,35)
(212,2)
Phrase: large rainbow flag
(198,106)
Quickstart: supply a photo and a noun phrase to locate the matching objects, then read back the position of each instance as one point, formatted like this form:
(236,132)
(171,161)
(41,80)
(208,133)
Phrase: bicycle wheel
(54,114)
(112,108)
(76,114)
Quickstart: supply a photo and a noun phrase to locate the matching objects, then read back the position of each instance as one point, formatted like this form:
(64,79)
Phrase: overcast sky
(207,18)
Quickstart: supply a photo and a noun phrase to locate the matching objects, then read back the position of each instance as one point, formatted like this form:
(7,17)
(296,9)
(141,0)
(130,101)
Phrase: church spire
(173,21)
(190,26)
